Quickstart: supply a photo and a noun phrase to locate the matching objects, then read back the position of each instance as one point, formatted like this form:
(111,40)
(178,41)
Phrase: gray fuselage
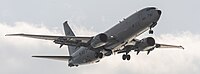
(120,34)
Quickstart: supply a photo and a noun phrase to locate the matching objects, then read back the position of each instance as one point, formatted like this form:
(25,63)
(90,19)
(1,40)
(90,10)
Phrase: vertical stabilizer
(69,32)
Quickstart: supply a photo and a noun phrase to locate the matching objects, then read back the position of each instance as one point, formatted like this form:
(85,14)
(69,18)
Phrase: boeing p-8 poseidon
(119,39)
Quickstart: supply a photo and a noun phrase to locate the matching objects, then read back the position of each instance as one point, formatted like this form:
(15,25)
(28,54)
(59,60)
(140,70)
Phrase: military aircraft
(121,38)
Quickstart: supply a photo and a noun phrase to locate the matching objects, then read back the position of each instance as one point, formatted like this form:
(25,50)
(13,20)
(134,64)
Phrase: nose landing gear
(150,31)
(153,25)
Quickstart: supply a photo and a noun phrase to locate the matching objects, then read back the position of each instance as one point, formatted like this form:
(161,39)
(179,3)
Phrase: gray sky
(99,15)
(178,25)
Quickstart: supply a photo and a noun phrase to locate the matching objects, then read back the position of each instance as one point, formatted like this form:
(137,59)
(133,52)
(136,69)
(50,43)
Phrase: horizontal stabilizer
(61,58)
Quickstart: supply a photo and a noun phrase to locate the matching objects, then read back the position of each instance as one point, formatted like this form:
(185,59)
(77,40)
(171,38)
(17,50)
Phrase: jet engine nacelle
(145,44)
(99,40)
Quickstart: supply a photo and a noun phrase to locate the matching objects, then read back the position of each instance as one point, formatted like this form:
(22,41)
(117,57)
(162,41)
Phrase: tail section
(69,32)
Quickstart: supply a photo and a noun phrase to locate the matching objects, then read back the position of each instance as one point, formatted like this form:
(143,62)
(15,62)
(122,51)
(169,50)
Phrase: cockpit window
(150,8)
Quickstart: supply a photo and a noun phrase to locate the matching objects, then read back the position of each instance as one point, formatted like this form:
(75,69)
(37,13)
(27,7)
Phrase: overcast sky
(179,24)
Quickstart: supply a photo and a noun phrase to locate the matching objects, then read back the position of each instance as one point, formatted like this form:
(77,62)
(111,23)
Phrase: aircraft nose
(159,12)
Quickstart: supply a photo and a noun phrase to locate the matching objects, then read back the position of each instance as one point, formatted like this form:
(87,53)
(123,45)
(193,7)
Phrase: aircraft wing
(168,46)
(49,37)
(157,45)
(66,40)
(61,58)
(45,37)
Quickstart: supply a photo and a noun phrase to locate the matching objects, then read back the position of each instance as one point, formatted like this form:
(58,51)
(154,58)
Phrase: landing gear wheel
(124,57)
(70,65)
(100,55)
(150,31)
(109,52)
(128,57)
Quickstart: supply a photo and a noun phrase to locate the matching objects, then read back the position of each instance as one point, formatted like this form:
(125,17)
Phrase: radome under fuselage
(121,33)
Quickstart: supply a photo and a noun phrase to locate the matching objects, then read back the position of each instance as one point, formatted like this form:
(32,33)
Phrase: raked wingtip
(182,47)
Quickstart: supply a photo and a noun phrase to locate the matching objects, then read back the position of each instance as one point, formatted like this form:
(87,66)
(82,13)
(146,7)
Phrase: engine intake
(150,41)
(99,40)
(145,44)
(103,37)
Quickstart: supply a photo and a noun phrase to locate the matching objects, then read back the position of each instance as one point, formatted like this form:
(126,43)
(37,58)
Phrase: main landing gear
(71,65)
(99,55)
(126,57)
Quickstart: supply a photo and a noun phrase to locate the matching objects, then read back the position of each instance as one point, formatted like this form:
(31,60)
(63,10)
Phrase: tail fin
(69,32)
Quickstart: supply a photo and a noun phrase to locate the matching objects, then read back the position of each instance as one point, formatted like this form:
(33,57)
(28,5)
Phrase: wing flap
(61,58)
